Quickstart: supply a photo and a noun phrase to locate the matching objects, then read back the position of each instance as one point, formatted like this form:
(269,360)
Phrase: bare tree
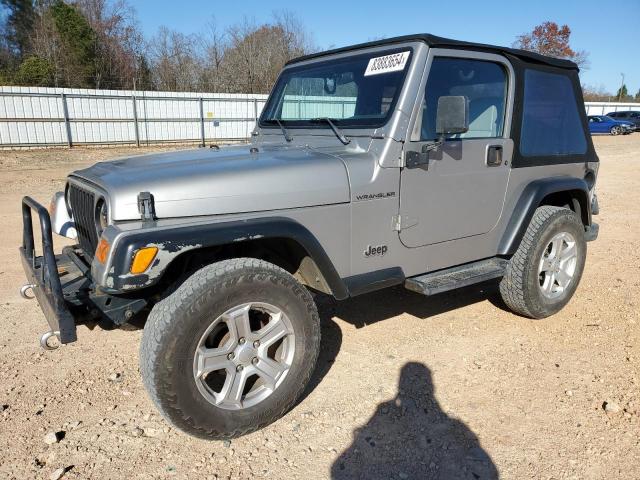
(243,58)
(214,45)
(112,53)
(256,53)
(119,42)
(175,61)
(595,94)
(45,43)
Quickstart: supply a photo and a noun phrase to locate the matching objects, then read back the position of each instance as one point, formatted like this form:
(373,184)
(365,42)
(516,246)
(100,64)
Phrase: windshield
(356,91)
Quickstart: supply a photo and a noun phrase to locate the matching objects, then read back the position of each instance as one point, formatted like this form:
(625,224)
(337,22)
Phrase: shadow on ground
(411,437)
(383,304)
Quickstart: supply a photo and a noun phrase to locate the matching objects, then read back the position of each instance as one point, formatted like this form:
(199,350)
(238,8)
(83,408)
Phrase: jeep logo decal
(380,250)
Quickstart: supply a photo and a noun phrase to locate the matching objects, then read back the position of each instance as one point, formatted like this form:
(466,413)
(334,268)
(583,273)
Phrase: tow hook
(50,340)
(24,289)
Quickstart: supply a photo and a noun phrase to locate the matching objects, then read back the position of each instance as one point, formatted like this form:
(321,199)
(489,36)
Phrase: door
(460,191)
(595,125)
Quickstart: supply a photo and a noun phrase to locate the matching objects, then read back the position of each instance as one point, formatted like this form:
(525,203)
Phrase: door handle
(494,155)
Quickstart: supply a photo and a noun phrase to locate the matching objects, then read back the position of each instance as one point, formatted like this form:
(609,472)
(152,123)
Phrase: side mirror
(452,115)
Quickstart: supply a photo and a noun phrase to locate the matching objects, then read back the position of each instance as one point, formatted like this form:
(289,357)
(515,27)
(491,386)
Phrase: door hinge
(401,222)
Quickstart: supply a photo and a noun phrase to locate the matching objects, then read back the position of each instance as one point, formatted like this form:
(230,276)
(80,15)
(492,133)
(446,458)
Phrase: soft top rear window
(355,91)
(551,122)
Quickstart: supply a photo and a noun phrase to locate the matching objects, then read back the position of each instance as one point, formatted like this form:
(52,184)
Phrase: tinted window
(613,114)
(551,123)
(484,84)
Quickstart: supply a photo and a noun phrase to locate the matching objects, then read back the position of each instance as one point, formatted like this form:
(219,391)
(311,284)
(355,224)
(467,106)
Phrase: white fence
(40,117)
(602,108)
(63,116)
(296,107)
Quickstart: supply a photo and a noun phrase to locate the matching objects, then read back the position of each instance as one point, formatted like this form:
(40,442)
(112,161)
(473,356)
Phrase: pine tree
(19,24)
(79,40)
(622,93)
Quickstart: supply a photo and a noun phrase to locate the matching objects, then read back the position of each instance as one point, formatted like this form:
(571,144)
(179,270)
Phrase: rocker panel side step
(456,277)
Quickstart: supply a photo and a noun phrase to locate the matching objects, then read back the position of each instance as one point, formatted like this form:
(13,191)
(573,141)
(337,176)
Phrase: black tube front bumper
(42,272)
(62,283)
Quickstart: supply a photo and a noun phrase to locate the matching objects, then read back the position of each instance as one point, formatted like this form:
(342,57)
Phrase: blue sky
(610,34)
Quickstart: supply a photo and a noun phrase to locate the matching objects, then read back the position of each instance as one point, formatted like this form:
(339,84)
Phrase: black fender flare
(530,199)
(175,240)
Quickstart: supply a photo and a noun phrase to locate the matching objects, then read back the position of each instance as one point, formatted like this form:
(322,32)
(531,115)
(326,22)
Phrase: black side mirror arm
(419,159)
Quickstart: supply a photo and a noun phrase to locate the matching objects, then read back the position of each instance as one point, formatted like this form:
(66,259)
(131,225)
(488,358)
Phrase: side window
(634,115)
(483,83)
(551,123)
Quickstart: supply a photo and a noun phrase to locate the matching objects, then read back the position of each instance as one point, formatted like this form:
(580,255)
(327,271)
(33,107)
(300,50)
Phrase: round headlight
(102,216)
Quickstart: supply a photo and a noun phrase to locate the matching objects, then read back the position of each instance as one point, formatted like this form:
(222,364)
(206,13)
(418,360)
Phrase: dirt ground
(452,386)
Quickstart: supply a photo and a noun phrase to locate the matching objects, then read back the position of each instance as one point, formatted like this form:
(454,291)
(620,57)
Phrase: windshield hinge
(401,222)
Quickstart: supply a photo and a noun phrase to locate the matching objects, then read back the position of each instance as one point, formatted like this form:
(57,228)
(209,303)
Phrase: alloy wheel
(244,355)
(557,266)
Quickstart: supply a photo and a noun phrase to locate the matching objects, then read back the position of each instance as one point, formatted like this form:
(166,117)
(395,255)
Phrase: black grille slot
(83,209)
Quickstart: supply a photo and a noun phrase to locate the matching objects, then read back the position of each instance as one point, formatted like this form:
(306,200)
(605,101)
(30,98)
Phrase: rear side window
(551,122)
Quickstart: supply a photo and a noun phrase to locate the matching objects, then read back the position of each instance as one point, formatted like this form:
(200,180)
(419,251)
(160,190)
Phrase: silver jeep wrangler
(416,161)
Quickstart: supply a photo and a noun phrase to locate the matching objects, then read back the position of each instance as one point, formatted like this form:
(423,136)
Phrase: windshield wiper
(339,134)
(287,137)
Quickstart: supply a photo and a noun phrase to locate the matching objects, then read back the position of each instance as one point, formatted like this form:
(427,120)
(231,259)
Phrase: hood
(230,180)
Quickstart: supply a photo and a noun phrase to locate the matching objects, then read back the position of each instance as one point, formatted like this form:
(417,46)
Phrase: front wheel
(544,273)
(615,130)
(231,350)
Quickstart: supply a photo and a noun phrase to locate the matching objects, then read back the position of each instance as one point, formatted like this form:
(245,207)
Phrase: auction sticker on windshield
(389,63)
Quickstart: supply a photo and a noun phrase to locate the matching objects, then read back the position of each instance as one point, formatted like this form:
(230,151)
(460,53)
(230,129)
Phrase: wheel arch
(279,240)
(568,192)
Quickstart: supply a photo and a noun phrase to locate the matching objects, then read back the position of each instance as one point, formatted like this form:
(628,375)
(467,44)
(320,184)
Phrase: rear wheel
(231,350)
(544,273)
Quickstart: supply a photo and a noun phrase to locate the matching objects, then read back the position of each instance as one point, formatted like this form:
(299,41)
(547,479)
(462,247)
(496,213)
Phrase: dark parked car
(632,116)
(606,124)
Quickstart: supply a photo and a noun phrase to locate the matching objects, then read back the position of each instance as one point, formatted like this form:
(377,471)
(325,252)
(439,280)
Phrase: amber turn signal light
(143,258)
(102,251)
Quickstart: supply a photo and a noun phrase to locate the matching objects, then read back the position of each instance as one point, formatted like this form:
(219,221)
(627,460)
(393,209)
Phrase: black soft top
(440,42)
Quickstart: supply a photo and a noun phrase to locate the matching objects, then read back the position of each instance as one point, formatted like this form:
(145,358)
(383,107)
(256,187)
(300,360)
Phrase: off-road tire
(520,287)
(176,324)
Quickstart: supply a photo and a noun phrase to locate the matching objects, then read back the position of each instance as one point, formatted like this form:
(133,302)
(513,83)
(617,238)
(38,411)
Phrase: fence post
(135,120)
(67,125)
(202,121)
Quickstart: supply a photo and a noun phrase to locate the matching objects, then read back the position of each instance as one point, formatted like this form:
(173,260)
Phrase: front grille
(83,209)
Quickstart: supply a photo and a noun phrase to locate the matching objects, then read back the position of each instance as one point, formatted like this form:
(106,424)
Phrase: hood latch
(146,207)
